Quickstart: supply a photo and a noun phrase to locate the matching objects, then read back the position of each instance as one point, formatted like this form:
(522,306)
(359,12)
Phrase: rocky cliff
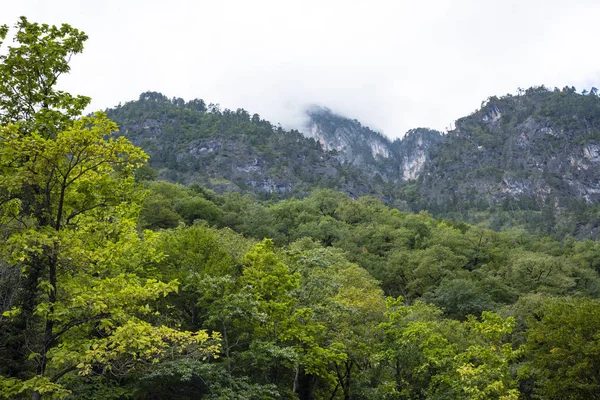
(353,143)
(226,150)
(528,160)
(540,148)
(415,150)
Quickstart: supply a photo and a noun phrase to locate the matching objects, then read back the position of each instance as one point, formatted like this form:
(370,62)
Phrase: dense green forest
(115,285)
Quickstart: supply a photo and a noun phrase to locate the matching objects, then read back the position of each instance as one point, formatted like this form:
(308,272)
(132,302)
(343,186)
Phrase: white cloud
(394,65)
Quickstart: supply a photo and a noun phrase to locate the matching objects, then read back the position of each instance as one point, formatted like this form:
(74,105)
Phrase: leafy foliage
(68,207)
(113,285)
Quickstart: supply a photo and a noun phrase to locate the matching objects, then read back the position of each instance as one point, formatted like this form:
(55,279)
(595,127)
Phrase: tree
(29,73)
(461,297)
(343,306)
(430,357)
(485,367)
(416,351)
(564,349)
(68,202)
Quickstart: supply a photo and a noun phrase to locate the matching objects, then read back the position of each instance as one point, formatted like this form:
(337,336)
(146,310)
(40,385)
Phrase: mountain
(531,160)
(353,143)
(415,150)
(225,150)
(535,152)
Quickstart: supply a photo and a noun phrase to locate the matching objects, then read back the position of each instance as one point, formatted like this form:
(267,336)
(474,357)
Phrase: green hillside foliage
(461,317)
(527,160)
(226,150)
(465,322)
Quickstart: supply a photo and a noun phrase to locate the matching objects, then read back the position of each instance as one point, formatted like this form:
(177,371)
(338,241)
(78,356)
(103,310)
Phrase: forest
(116,285)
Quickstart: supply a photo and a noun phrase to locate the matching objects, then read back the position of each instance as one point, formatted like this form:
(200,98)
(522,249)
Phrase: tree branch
(77,322)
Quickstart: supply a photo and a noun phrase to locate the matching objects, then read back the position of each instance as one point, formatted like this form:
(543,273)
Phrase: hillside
(225,150)
(229,150)
(533,157)
(353,143)
(529,160)
(117,285)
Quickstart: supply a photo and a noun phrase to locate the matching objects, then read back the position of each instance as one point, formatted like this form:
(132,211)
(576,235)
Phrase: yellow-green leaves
(29,72)
(3,32)
(270,282)
(12,387)
(68,209)
(82,170)
(484,368)
(266,274)
(141,342)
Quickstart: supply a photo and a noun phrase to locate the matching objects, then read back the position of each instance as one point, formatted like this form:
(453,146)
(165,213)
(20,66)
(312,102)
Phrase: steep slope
(539,151)
(353,143)
(415,150)
(232,150)
(531,160)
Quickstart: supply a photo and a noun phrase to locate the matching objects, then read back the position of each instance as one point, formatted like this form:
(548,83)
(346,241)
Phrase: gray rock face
(270,186)
(415,151)
(538,150)
(353,143)
(362,147)
(230,164)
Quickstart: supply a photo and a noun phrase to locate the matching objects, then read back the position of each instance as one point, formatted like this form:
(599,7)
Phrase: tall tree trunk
(305,385)
(348,374)
(49,339)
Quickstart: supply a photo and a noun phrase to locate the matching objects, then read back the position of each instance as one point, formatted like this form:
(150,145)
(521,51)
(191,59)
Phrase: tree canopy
(114,285)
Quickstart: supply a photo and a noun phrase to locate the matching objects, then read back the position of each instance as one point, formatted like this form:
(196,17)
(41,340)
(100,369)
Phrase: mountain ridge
(398,160)
(517,158)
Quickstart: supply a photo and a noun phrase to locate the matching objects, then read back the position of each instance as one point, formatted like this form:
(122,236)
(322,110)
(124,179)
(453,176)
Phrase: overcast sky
(393,65)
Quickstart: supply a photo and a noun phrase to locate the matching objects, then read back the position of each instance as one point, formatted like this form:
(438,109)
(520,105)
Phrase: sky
(393,65)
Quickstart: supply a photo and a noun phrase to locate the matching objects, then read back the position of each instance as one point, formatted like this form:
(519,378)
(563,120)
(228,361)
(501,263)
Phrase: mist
(393,65)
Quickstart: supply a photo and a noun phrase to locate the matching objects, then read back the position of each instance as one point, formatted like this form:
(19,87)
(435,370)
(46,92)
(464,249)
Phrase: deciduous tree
(68,205)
